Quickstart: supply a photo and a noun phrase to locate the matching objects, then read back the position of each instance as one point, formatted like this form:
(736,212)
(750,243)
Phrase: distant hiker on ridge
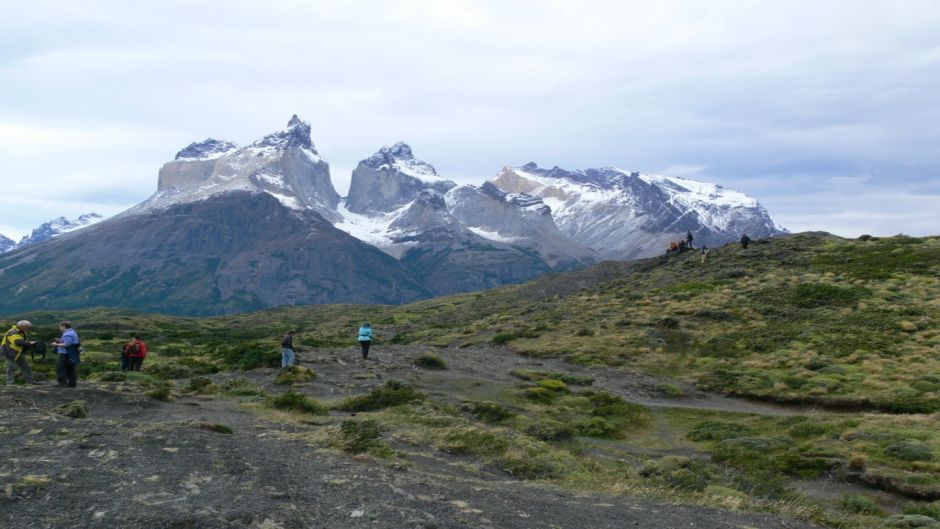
(688,240)
(704,253)
(134,351)
(365,338)
(745,240)
(288,358)
(69,352)
(14,342)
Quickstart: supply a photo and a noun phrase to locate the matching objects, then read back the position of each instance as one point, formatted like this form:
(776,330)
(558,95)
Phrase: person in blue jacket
(365,338)
(68,348)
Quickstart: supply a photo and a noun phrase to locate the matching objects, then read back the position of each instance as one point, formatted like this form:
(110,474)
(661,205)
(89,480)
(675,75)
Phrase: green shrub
(393,393)
(931,509)
(430,361)
(502,338)
(542,395)
(474,441)
(911,520)
(567,378)
(718,431)
(490,412)
(615,408)
(293,401)
(553,385)
(910,451)
(596,427)
(161,392)
(550,430)
(247,356)
(859,504)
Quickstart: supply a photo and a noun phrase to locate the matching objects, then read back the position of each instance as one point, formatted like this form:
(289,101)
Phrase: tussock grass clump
(241,387)
(76,409)
(430,361)
(860,504)
(363,436)
(393,393)
(910,450)
(536,375)
(201,386)
(294,401)
(214,427)
(291,375)
(550,430)
(718,431)
(490,412)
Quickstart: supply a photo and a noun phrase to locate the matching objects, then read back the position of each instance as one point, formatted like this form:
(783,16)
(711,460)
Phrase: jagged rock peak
(520,200)
(297,134)
(400,157)
(206,150)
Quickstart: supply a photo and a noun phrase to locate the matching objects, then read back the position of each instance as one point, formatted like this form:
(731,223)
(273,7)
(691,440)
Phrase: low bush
(430,361)
(718,431)
(201,385)
(361,436)
(393,393)
(490,412)
(859,504)
(293,401)
(550,430)
(910,451)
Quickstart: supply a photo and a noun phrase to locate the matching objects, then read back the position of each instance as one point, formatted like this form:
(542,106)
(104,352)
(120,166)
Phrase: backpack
(133,349)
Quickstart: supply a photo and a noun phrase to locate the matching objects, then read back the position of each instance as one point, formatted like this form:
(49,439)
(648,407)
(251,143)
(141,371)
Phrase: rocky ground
(135,461)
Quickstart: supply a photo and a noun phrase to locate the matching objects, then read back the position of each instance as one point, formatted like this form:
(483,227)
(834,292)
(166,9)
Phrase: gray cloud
(784,101)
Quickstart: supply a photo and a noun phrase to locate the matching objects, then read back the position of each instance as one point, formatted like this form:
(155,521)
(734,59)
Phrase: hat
(24,323)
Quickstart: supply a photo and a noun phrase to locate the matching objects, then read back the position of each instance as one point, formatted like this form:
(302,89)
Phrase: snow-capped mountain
(235,228)
(6,244)
(284,164)
(57,227)
(625,215)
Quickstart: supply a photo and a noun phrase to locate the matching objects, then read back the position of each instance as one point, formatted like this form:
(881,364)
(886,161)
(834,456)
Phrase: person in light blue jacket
(365,338)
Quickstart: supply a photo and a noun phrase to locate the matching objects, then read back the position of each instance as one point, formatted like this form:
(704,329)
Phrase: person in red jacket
(135,351)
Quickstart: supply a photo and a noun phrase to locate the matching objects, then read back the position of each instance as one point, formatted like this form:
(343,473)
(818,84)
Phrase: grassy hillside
(808,319)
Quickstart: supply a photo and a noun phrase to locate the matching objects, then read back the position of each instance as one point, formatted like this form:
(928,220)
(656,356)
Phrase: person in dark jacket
(68,349)
(688,240)
(745,240)
(365,338)
(288,358)
(13,348)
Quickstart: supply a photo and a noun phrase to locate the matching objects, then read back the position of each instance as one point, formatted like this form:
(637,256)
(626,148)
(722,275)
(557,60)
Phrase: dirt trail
(139,462)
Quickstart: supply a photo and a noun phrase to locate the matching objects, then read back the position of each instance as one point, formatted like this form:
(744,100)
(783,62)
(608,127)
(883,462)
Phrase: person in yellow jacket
(13,346)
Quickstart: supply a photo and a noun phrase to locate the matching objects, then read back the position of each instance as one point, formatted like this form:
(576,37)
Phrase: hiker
(745,240)
(704,253)
(688,240)
(365,338)
(673,246)
(14,343)
(288,358)
(134,352)
(68,348)
(681,246)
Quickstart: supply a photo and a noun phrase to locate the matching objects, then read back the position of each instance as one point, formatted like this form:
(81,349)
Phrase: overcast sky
(827,111)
